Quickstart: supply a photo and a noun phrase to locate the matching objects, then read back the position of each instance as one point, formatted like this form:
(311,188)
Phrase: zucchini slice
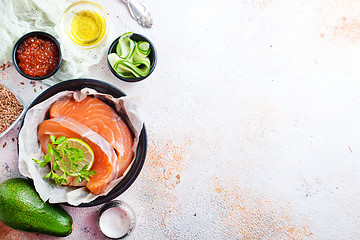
(131,58)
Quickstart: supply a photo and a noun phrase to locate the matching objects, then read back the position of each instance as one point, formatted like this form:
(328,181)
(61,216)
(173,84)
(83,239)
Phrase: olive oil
(87,28)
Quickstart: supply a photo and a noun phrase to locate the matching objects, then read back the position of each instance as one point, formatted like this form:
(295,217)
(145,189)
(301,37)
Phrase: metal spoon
(139,13)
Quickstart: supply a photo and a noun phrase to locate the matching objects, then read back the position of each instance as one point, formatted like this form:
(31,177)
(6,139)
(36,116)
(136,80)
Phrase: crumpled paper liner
(29,148)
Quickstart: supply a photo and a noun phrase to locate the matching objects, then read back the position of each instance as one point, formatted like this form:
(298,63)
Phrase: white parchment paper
(29,148)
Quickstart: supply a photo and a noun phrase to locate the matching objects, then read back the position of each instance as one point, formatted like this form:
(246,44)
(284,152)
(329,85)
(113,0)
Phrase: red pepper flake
(4,144)
(41,87)
(34,89)
(22,83)
(13,139)
(177,179)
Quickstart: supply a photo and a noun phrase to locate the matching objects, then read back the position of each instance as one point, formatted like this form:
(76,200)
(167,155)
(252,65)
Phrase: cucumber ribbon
(131,58)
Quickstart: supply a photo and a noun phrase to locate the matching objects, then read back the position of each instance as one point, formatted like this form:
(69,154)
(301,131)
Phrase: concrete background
(252,117)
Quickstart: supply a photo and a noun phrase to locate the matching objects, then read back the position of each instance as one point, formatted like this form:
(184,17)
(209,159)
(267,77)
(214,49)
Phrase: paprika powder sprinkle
(37,57)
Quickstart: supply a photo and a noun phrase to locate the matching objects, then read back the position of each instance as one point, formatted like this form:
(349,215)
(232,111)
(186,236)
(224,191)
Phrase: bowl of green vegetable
(132,57)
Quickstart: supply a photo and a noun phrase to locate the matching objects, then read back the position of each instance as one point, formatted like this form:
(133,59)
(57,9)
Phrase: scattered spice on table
(4,66)
(10,108)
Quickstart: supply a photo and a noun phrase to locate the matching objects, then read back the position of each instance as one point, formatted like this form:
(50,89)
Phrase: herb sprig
(64,160)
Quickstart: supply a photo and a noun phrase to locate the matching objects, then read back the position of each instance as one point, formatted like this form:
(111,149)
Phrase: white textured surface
(252,117)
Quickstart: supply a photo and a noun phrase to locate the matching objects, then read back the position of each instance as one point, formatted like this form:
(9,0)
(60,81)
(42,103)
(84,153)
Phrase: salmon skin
(102,119)
(105,163)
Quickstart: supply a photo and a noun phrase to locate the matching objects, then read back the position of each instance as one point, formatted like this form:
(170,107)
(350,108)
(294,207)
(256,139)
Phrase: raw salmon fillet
(102,119)
(105,163)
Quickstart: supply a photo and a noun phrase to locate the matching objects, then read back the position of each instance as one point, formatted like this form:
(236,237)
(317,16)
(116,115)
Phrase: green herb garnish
(66,157)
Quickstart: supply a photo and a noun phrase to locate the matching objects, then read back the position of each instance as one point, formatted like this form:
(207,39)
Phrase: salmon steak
(102,119)
(105,159)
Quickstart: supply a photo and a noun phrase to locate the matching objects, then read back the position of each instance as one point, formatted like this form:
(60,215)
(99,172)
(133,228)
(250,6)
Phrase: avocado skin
(22,208)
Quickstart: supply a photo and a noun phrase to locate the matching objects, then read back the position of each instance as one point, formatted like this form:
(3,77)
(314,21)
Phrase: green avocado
(22,208)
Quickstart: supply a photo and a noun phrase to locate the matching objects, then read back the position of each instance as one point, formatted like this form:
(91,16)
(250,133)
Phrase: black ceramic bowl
(78,84)
(41,35)
(152,56)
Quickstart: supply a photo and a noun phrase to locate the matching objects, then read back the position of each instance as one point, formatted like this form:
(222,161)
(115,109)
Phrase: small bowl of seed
(11,108)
